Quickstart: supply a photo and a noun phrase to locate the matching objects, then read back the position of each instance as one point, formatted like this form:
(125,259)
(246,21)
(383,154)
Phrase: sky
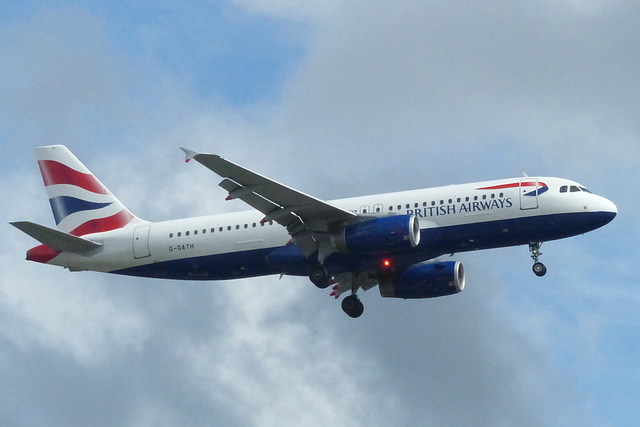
(336,99)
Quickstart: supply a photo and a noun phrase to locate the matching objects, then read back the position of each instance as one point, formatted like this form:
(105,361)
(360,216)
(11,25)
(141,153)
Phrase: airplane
(391,240)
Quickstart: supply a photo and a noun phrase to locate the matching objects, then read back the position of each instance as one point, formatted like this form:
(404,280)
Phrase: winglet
(190,154)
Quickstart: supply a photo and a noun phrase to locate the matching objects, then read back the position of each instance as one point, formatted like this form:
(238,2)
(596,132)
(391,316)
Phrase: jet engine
(425,280)
(389,233)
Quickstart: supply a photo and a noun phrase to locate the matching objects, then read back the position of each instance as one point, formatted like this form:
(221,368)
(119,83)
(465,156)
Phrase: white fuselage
(478,215)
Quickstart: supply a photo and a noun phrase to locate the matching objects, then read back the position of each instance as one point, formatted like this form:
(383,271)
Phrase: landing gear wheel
(352,306)
(539,269)
(320,277)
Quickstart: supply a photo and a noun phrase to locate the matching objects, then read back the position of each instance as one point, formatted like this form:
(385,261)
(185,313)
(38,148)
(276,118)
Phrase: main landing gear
(320,277)
(352,305)
(538,268)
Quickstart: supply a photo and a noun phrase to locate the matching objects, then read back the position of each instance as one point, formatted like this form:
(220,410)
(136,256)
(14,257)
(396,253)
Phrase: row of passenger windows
(573,189)
(218,230)
(378,208)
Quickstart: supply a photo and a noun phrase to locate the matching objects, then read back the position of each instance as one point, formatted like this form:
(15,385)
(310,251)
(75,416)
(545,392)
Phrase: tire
(539,269)
(320,277)
(352,306)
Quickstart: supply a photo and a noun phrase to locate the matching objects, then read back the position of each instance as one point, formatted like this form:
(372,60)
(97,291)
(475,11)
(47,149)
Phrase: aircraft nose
(607,208)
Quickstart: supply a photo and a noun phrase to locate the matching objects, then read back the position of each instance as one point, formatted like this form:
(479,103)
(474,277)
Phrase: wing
(305,217)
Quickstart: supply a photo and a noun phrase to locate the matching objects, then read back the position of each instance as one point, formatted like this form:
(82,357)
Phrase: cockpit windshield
(573,189)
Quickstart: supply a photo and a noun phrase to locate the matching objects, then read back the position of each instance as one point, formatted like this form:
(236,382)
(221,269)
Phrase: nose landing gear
(538,268)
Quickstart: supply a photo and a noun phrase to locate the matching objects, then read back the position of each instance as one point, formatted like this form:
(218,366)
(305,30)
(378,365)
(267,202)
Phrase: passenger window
(564,189)
(195,232)
(186,233)
(179,233)
(170,235)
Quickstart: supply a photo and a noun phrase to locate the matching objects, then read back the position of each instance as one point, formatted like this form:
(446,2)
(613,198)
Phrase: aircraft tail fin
(80,203)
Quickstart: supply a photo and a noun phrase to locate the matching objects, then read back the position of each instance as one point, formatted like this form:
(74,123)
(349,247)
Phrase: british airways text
(461,207)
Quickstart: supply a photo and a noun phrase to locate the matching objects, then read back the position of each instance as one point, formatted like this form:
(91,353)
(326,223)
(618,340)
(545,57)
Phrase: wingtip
(189,154)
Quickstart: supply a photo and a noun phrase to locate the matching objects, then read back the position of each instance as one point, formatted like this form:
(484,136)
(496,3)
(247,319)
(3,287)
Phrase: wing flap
(55,239)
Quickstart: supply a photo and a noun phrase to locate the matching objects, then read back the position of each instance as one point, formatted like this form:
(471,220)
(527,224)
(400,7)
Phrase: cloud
(533,82)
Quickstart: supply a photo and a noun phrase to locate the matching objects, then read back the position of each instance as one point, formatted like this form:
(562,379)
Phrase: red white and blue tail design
(80,203)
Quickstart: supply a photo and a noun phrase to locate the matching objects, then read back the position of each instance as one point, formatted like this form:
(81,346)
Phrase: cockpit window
(573,189)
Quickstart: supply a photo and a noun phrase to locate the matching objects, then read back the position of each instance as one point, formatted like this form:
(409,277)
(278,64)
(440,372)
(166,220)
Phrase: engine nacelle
(426,280)
(389,233)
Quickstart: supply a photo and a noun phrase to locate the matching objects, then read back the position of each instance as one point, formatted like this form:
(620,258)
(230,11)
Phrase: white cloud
(69,316)
(271,358)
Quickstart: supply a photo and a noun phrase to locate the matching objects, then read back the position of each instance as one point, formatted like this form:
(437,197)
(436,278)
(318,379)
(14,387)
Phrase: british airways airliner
(388,240)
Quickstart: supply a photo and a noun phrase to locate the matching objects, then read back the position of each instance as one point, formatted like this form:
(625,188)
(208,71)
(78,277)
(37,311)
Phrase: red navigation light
(386,263)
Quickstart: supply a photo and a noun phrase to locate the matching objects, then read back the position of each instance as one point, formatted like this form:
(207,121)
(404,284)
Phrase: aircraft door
(141,241)
(528,193)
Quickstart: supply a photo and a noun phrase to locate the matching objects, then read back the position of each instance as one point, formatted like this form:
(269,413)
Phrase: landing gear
(352,306)
(320,277)
(538,268)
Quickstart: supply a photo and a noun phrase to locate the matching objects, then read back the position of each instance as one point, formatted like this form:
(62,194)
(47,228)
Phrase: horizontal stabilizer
(55,239)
